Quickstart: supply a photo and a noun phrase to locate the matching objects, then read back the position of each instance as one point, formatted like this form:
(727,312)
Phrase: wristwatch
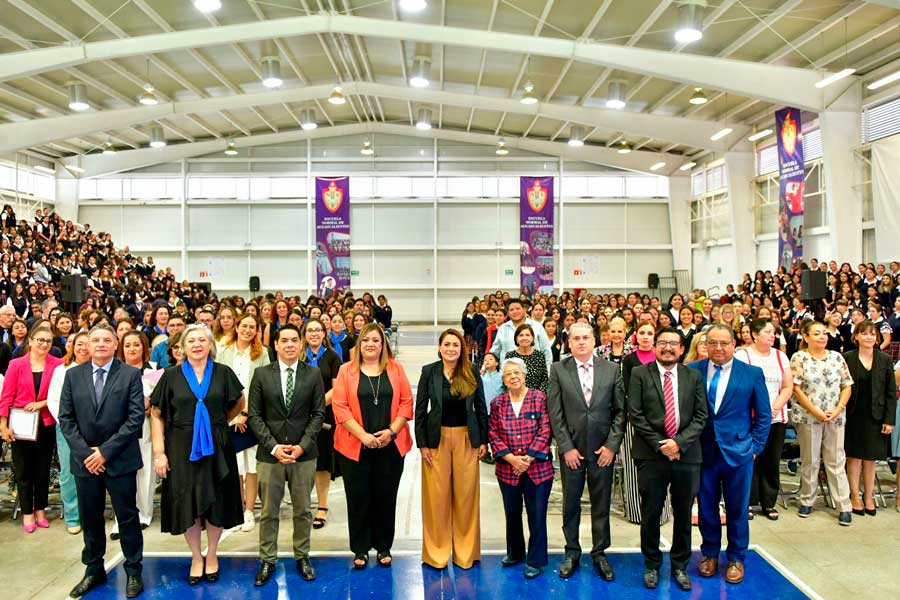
(393,433)
(244,413)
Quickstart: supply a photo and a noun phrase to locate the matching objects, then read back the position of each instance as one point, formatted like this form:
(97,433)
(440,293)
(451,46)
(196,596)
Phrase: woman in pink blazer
(25,386)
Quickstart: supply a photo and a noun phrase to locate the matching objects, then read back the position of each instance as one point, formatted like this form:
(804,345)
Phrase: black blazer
(647,412)
(114,426)
(429,399)
(271,421)
(884,389)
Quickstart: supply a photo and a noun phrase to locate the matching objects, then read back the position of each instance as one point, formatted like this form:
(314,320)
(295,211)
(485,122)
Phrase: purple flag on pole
(332,235)
(791,167)
(536,229)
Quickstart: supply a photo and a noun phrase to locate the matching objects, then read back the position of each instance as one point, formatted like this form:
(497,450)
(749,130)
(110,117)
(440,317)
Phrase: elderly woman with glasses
(519,432)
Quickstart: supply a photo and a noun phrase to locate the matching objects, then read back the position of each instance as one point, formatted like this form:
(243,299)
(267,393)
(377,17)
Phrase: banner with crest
(788,132)
(332,235)
(536,235)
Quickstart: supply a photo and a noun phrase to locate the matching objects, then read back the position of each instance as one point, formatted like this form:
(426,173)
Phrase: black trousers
(91,505)
(599,482)
(536,498)
(371,485)
(31,460)
(656,479)
(766,470)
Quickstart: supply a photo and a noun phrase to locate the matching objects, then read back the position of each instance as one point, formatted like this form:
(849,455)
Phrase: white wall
(713,266)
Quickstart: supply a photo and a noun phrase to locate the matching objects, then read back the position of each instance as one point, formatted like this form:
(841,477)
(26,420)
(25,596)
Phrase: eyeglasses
(663,344)
(316,330)
(718,344)
(42,340)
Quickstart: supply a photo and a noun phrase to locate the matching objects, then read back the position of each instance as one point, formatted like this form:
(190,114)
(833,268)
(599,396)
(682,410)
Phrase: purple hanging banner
(332,235)
(536,230)
(791,167)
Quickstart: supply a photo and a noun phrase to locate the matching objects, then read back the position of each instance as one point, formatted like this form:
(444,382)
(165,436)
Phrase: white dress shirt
(283,367)
(662,384)
(586,377)
(723,381)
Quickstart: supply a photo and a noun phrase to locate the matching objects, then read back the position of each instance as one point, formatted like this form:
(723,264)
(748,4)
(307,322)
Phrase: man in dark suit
(735,433)
(287,406)
(586,402)
(101,412)
(667,409)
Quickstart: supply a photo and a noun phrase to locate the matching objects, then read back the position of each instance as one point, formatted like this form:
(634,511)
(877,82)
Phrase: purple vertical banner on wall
(332,234)
(536,234)
(791,166)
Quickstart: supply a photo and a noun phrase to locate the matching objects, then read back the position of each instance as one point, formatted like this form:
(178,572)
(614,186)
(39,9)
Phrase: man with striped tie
(667,408)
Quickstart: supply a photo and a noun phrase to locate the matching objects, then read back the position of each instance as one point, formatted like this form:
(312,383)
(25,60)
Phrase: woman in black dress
(200,478)
(316,351)
(871,412)
(537,377)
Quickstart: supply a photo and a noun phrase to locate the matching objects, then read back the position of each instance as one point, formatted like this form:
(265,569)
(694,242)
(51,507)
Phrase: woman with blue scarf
(341,341)
(316,351)
(191,407)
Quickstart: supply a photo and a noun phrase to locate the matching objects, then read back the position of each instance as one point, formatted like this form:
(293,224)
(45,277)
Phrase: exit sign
(354,273)
(509,272)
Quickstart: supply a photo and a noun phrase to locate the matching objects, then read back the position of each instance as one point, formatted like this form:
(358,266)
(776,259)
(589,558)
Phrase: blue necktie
(714,387)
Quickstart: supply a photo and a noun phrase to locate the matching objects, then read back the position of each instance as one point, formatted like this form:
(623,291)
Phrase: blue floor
(409,579)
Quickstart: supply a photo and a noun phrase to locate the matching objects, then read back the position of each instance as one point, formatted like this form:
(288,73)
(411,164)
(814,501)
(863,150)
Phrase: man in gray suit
(586,402)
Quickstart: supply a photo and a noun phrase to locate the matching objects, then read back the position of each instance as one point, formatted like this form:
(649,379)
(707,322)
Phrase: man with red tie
(668,411)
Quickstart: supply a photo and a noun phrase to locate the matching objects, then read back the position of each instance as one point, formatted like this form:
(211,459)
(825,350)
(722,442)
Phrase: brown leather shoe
(708,566)
(735,572)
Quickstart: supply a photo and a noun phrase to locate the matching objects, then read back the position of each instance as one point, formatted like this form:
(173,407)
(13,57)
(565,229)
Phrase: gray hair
(206,331)
(720,327)
(584,326)
(518,363)
(103,327)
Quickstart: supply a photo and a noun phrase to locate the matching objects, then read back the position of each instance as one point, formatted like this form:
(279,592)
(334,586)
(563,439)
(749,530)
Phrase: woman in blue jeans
(78,351)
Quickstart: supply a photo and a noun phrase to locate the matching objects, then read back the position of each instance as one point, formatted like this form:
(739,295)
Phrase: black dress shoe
(567,567)
(306,570)
(195,579)
(871,511)
(604,569)
(134,586)
(265,572)
(509,561)
(87,583)
(651,578)
(682,579)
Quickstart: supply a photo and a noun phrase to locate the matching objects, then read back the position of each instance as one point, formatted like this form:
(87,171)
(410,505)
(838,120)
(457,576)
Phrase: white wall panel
(278,270)
(361,260)
(475,268)
(235,269)
(404,267)
(410,306)
(279,225)
(104,218)
(767,255)
(403,224)
(648,224)
(599,268)
(714,266)
(474,223)
(595,224)
(217,225)
(639,263)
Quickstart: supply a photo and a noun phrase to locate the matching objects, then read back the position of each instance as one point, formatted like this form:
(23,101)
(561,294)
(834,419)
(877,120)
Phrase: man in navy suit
(735,433)
(101,412)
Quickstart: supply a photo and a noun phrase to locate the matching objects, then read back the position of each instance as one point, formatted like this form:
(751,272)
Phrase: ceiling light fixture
(615,99)
(308,119)
(157,139)
(231,149)
(412,5)
(624,148)
(528,97)
(759,135)
(207,6)
(367,149)
(720,134)
(687,166)
(501,150)
(423,119)
(835,77)
(78,100)
(108,148)
(271,72)
(576,136)
(148,97)
(657,166)
(421,72)
(698,97)
(880,83)
(74,169)
(690,22)
(337,96)
(44,169)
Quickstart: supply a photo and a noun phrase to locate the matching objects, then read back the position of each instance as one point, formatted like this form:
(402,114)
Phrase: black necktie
(98,386)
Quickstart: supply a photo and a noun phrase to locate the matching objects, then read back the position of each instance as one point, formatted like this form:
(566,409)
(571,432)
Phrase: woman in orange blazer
(25,386)
(372,402)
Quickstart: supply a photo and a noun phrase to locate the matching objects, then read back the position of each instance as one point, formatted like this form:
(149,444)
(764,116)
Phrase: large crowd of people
(226,400)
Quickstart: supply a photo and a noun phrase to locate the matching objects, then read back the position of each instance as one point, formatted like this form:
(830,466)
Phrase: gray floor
(836,562)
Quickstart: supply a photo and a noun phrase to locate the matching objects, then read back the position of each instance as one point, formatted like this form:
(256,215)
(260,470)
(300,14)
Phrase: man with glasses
(667,408)
(735,433)
(586,403)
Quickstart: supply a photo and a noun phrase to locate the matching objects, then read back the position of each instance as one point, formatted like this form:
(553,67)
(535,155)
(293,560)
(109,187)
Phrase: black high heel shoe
(194,580)
(210,577)
(872,511)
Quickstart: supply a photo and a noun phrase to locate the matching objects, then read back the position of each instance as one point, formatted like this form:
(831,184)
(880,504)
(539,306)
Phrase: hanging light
(337,96)
(657,166)
(44,169)
(78,100)
(843,73)
(421,72)
(690,22)
(721,133)
(880,83)
(423,119)
(157,140)
(501,150)
(615,99)
(108,148)
(698,97)
(367,149)
(624,148)
(308,119)
(75,169)
(759,135)
(528,97)
(576,136)
(207,6)
(231,149)
(148,96)
(271,71)
(687,166)
(412,6)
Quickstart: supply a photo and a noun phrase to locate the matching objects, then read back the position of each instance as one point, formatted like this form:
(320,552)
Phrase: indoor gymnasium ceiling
(206,70)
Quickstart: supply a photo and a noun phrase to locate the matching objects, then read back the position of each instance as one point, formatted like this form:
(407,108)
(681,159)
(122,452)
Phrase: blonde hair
(386,353)
(693,353)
